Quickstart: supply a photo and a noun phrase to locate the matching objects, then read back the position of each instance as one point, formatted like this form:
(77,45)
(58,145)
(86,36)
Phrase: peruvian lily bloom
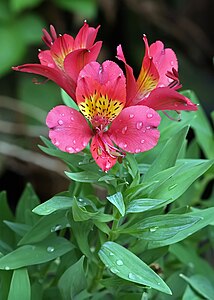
(158,82)
(103,118)
(66,57)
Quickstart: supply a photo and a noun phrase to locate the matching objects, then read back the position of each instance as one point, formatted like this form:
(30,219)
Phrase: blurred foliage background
(184,26)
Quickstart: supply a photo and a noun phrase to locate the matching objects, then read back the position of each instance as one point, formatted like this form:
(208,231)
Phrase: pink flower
(104,119)
(66,57)
(158,82)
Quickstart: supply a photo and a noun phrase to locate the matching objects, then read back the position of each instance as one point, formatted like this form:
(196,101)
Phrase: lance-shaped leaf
(20,285)
(54,204)
(117,200)
(128,266)
(158,228)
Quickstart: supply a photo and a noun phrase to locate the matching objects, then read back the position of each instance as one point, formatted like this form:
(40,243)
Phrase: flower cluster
(117,112)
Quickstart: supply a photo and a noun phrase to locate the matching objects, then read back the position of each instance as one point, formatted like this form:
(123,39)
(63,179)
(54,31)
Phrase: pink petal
(54,74)
(164,60)
(130,79)
(46,59)
(76,60)
(106,79)
(101,157)
(168,99)
(135,129)
(85,37)
(69,130)
(61,47)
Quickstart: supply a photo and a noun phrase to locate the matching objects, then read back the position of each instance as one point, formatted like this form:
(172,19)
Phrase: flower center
(100,109)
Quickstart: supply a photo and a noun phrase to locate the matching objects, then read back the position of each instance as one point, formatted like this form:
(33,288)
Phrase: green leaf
(190,294)
(25,205)
(5,281)
(205,218)
(167,157)
(128,266)
(202,128)
(68,100)
(144,204)
(54,204)
(173,182)
(117,201)
(20,285)
(201,285)
(42,252)
(158,228)
(84,176)
(73,281)
(18,228)
(44,227)
(5,214)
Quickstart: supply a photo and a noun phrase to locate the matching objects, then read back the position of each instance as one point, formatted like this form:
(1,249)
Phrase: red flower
(66,57)
(158,82)
(101,97)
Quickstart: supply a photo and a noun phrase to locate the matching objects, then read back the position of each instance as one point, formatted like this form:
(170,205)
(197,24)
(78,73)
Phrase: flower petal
(135,129)
(69,131)
(46,59)
(76,60)
(99,153)
(54,74)
(168,99)
(61,47)
(130,79)
(85,37)
(164,60)
(107,78)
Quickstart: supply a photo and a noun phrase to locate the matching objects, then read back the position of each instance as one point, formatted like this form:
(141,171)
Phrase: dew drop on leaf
(119,262)
(50,249)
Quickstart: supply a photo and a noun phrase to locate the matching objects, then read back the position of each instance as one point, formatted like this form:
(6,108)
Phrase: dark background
(184,26)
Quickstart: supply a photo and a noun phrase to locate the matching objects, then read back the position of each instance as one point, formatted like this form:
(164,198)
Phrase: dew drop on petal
(131,116)
(56,143)
(71,118)
(60,122)
(149,115)
(74,142)
(148,127)
(139,125)
(84,144)
(69,149)
(62,115)
(50,249)
(137,150)
(142,141)
(77,149)
(119,262)
(124,129)
(172,63)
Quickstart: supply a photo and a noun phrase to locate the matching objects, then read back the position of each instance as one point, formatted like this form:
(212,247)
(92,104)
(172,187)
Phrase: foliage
(145,237)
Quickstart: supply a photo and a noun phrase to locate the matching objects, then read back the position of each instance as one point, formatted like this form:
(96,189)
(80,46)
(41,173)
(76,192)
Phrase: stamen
(36,81)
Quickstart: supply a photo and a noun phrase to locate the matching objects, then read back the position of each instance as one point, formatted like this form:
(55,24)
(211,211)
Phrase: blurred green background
(184,26)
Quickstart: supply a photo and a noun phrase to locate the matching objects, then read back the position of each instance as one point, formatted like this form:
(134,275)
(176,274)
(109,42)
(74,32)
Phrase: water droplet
(137,150)
(111,254)
(153,229)
(108,165)
(131,276)
(50,249)
(148,127)
(171,187)
(74,141)
(158,283)
(7,268)
(119,262)
(84,143)
(139,125)
(172,63)
(69,149)
(125,145)
(114,270)
(142,141)
(77,149)
(71,118)
(60,122)
(62,115)
(131,116)
(56,143)
(81,200)
(149,115)
(124,129)
(56,228)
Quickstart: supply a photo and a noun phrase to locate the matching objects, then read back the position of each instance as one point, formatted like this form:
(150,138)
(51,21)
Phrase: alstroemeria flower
(157,83)
(66,57)
(104,119)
